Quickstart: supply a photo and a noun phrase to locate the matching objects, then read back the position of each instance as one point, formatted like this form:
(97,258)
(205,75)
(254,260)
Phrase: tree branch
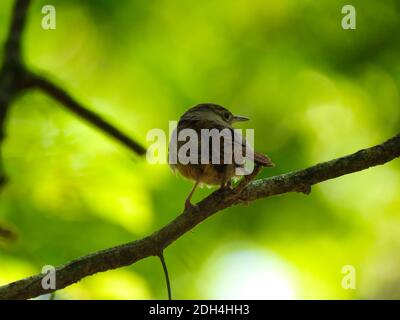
(14,78)
(123,255)
(13,43)
(10,72)
(60,95)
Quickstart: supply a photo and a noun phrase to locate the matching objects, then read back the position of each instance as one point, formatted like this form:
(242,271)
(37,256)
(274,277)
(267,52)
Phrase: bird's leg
(188,204)
(227,185)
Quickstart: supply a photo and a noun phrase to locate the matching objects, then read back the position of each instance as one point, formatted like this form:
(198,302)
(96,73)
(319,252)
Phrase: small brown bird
(211,116)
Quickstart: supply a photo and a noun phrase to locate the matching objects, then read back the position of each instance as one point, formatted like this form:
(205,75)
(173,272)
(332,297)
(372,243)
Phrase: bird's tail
(263,160)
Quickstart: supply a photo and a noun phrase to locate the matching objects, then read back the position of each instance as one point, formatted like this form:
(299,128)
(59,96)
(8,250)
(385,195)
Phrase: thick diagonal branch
(297,181)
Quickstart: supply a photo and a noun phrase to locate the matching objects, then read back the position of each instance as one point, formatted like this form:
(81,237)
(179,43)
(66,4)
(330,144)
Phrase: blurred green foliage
(313,92)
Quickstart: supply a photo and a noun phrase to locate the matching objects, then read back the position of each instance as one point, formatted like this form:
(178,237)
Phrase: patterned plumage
(227,152)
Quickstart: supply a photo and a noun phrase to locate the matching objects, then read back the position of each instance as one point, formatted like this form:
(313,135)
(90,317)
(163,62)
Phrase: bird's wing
(225,146)
(248,152)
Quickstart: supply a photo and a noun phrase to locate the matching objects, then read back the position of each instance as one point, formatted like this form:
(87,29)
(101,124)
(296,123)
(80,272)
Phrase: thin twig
(164,265)
(60,95)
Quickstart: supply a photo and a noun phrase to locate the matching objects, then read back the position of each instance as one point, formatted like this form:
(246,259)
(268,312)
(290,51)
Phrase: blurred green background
(313,92)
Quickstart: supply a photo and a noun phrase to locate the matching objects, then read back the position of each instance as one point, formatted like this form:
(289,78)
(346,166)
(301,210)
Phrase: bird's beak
(239,118)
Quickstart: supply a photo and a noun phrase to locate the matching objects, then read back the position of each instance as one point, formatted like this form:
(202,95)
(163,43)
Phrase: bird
(217,119)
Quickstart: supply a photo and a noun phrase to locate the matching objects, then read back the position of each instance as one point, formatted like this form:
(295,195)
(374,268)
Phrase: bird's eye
(227,116)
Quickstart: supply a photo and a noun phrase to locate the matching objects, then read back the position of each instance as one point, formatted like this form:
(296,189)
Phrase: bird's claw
(226,188)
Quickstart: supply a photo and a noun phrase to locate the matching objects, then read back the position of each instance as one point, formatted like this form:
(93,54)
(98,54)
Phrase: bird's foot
(226,187)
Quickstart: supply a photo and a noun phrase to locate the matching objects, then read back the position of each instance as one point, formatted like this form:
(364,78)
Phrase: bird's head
(214,113)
